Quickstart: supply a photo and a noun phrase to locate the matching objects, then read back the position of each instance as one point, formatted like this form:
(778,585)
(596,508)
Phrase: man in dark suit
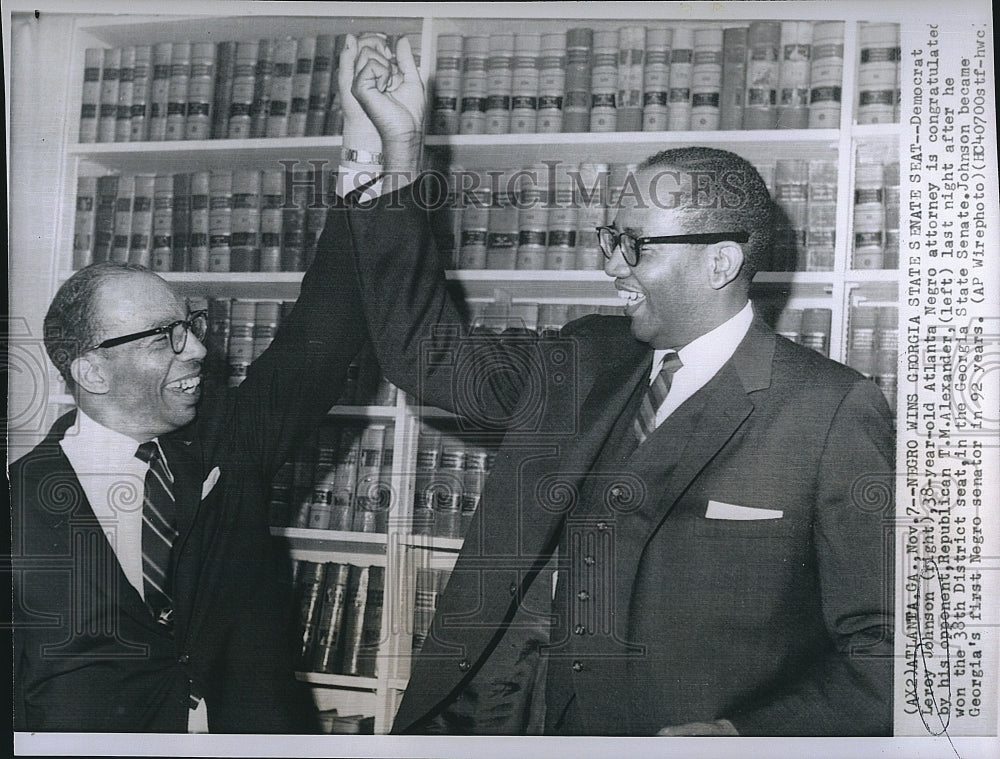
(706,485)
(107,638)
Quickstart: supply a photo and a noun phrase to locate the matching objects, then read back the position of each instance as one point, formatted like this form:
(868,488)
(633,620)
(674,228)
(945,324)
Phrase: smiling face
(668,294)
(150,389)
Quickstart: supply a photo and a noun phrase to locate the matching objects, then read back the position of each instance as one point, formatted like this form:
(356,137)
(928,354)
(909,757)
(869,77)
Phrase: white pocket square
(720,510)
(209,483)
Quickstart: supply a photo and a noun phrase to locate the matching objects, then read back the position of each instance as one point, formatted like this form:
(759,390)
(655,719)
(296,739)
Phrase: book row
(873,345)
(218,221)
(213,90)
(340,617)
(429,584)
(765,75)
(876,215)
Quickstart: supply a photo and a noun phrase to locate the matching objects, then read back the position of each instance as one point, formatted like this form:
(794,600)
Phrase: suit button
(577,666)
(583,595)
(602,526)
(513,588)
(588,560)
(464,665)
(183,659)
(578,630)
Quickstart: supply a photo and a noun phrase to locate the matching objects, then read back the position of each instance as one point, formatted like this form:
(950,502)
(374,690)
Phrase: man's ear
(90,374)
(725,260)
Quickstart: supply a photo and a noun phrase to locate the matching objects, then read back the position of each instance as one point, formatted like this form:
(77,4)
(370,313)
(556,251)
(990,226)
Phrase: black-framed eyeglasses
(196,324)
(610,238)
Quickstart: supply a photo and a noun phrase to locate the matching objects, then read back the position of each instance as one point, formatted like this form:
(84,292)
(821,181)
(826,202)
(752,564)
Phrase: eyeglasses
(610,238)
(196,324)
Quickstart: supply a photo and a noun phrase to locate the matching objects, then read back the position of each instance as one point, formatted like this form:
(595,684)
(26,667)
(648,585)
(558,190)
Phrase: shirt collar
(715,347)
(102,449)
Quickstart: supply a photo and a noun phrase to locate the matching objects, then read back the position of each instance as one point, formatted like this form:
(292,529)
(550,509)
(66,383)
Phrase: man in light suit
(706,485)
(104,640)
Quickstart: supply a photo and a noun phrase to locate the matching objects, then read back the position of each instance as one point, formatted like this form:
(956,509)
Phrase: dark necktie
(158,533)
(645,420)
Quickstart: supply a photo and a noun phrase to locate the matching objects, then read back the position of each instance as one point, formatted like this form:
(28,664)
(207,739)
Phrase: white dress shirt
(701,360)
(113,480)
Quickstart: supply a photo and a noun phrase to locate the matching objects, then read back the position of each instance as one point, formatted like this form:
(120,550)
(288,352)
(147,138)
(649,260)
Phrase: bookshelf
(45,262)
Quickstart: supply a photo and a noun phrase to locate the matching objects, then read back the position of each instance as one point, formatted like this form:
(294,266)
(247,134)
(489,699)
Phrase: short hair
(71,324)
(749,210)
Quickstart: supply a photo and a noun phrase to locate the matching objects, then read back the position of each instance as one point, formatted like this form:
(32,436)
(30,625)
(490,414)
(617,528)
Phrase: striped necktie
(158,533)
(645,420)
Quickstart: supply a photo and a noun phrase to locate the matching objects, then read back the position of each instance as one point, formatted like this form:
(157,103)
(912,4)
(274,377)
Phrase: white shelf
(338,681)
(335,541)
(432,543)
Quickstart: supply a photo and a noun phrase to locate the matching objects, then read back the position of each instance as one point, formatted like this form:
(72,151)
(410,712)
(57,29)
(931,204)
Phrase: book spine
(244,239)
(267,315)
(371,628)
(563,222)
(760,103)
(108,114)
(220,220)
(604,82)
(126,83)
(576,102)
(789,324)
(877,73)
(447,485)
(498,83)
(199,237)
(263,71)
(280,92)
(244,83)
(346,479)
(793,75)
(83,221)
(681,65)
(161,257)
(239,351)
(427,590)
(335,113)
(222,97)
(590,197)
(551,318)
(791,185)
(890,200)
(293,225)
(501,237)
(181,240)
(355,604)
(734,77)
(826,73)
(524,83)
(632,49)
(387,496)
(474,230)
(272,197)
(141,237)
(448,84)
(869,217)
(656,79)
(90,101)
(533,219)
(428,456)
(816,329)
(303,480)
(217,338)
(123,218)
(475,52)
(321,504)
(367,492)
(142,80)
(159,93)
(200,92)
(551,83)
(328,640)
(301,86)
(319,85)
(473,482)
(822,215)
(706,79)
(309,587)
(887,352)
(861,339)
(180,77)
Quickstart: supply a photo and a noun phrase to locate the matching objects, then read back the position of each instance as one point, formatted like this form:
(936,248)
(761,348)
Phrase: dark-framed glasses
(196,324)
(610,238)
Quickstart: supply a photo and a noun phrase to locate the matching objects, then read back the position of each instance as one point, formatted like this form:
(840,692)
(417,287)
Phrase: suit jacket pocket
(740,529)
